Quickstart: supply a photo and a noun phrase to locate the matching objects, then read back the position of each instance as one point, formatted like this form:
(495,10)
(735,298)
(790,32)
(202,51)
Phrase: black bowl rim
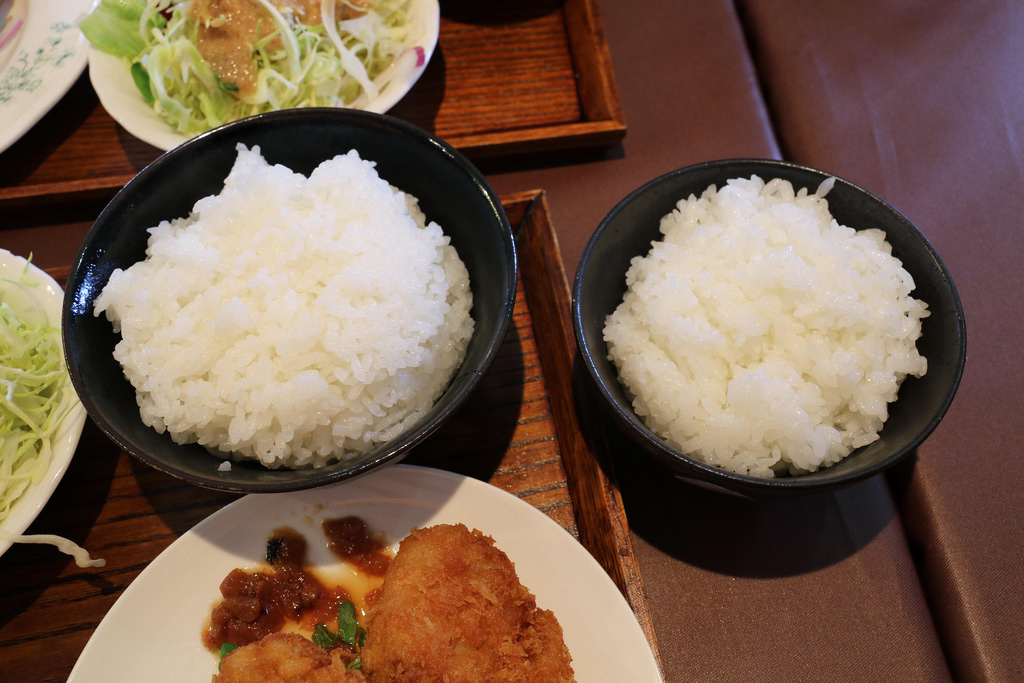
(458,391)
(696,471)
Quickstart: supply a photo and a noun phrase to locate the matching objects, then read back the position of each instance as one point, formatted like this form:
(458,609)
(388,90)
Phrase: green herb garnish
(349,632)
(224,650)
(324,637)
(273,548)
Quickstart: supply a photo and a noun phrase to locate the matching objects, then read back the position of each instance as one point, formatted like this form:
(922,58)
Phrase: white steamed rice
(293,320)
(761,336)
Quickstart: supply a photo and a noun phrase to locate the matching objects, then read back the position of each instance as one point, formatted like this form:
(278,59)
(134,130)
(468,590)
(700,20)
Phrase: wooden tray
(522,433)
(509,78)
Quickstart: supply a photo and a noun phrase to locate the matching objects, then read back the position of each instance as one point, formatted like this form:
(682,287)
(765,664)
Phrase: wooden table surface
(903,577)
(521,433)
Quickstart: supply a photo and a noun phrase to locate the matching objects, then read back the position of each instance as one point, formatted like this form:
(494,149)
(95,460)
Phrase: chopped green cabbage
(331,64)
(34,387)
(115,27)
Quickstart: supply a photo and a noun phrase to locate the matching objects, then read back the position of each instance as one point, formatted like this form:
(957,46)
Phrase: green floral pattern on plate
(27,69)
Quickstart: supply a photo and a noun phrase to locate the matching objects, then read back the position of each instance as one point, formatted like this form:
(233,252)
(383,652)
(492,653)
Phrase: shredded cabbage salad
(340,62)
(35,397)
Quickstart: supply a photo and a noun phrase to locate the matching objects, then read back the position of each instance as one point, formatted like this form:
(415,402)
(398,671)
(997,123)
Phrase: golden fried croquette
(285,658)
(452,609)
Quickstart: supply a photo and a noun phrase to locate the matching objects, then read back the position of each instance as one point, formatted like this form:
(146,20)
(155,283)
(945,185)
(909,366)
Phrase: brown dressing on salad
(229,31)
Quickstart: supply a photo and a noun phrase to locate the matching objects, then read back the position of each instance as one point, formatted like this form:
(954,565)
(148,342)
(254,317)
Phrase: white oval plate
(50,298)
(40,64)
(112,80)
(153,631)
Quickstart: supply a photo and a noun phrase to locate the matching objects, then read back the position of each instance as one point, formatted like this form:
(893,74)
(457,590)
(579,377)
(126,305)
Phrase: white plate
(112,80)
(49,297)
(41,63)
(152,633)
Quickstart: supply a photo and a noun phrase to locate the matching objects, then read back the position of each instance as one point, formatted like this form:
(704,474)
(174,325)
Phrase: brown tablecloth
(926,106)
(916,576)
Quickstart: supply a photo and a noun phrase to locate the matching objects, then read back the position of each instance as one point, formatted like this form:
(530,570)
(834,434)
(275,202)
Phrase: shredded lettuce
(336,63)
(35,397)
(32,385)
(116,27)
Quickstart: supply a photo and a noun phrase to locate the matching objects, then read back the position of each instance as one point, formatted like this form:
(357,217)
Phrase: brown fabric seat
(822,588)
(923,103)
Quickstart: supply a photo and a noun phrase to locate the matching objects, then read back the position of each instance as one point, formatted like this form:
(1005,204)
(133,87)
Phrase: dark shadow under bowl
(451,191)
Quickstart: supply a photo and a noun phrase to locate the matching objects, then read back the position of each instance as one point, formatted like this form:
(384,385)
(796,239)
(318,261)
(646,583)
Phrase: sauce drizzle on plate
(286,595)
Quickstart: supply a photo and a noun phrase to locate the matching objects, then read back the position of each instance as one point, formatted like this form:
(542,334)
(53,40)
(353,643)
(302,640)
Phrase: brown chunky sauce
(287,595)
(350,539)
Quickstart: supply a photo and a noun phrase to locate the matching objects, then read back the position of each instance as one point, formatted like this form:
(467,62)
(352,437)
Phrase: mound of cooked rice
(294,320)
(761,336)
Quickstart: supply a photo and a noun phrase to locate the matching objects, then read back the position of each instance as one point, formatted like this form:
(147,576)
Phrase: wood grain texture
(600,515)
(508,79)
(519,432)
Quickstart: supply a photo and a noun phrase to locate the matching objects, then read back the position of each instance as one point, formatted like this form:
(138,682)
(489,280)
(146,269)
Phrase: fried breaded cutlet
(452,609)
(284,658)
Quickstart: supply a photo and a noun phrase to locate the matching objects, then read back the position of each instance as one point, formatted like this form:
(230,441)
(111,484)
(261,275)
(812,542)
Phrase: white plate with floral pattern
(42,55)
